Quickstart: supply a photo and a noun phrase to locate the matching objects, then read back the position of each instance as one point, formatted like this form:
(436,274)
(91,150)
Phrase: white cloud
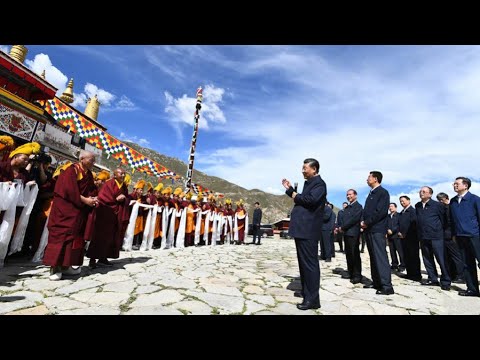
(134,139)
(416,127)
(53,75)
(181,110)
(105,97)
(125,103)
(79,101)
(275,191)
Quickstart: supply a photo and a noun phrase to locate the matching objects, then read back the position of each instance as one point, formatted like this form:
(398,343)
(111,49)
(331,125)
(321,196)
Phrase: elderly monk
(109,218)
(73,199)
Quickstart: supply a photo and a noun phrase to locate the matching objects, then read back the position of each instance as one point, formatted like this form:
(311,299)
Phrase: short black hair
(378,175)
(442,195)
(312,163)
(394,204)
(404,196)
(344,203)
(354,191)
(465,180)
(257,203)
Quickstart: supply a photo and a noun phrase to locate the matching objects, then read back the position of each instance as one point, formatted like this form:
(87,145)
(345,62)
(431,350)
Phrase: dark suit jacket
(339,221)
(430,220)
(328,219)
(465,217)
(352,215)
(408,223)
(394,225)
(306,218)
(375,212)
(257,216)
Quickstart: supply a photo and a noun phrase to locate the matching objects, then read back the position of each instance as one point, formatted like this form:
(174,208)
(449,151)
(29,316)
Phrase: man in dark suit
(408,234)
(257,220)
(394,242)
(453,257)
(465,217)
(430,224)
(339,223)
(326,244)
(374,223)
(352,215)
(305,226)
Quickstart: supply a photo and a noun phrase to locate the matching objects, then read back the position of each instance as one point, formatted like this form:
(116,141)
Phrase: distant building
(282,224)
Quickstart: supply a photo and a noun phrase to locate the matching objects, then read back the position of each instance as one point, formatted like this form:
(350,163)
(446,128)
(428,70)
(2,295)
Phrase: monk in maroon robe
(66,225)
(110,217)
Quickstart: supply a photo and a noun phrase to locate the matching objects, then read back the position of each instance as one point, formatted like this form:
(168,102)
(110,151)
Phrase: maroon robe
(110,218)
(68,216)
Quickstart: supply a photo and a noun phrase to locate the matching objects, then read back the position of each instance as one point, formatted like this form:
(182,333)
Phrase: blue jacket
(408,223)
(328,219)
(306,218)
(352,216)
(465,217)
(340,216)
(431,220)
(375,212)
(393,224)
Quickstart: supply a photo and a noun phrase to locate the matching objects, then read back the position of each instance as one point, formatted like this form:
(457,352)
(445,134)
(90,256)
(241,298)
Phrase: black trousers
(411,250)
(256,233)
(453,259)
(340,240)
(307,255)
(380,269)
(326,245)
(352,253)
(396,246)
(467,250)
(431,249)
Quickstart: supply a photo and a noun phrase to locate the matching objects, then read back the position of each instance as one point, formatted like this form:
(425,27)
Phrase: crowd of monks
(79,213)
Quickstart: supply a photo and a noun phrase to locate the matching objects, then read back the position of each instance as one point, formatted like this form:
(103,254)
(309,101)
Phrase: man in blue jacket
(465,218)
(408,234)
(352,215)
(374,223)
(305,226)
(431,221)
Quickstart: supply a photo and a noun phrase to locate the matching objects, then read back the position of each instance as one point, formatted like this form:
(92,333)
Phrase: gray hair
(84,154)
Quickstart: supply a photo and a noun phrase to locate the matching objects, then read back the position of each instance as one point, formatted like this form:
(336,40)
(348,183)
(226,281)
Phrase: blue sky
(411,112)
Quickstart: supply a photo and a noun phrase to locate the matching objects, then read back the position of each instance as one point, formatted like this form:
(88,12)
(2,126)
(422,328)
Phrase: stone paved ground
(250,279)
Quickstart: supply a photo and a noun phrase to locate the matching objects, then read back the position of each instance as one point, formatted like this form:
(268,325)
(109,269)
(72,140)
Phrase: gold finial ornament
(18,53)
(67,95)
(92,107)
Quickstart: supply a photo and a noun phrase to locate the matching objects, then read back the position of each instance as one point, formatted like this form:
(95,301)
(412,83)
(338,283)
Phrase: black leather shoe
(385,292)
(431,283)
(369,286)
(298,294)
(356,281)
(346,276)
(308,305)
(468,293)
(445,287)
(459,280)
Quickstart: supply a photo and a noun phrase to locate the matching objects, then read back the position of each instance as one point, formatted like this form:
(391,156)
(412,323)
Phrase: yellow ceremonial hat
(61,168)
(27,149)
(228,201)
(177,191)
(103,175)
(140,184)
(159,187)
(128,179)
(182,195)
(6,142)
(199,197)
(149,186)
(211,197)
(167,191)
(189,195)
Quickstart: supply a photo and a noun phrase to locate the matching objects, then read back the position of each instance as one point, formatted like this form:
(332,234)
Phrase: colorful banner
(76,123)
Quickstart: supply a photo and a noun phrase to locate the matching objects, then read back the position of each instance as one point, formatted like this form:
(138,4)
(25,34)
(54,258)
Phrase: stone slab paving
(258,280)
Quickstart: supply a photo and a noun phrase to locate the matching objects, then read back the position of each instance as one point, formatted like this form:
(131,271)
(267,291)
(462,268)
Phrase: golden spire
(43,75)
(67,95)
(18,53)
(92,108)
